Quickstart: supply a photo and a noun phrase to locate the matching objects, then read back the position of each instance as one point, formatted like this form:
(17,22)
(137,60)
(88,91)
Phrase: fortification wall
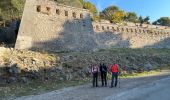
(112,35)
(50,26)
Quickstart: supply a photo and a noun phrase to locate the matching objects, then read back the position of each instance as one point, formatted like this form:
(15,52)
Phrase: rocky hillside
(23,66)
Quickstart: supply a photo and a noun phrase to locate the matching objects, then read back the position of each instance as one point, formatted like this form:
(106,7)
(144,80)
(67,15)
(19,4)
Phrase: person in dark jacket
(95,71)
(103,71)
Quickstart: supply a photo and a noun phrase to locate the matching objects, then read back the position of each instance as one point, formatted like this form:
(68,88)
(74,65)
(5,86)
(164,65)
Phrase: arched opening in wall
(102,27)
(74,15)
(66,13)
(107,27)
(147,31)
(156,33)
(143,31)
(97,27)
(57,11)
(38,8)
(122,29)
(81,15)
(127,29)
(118,29)
(48,10)
(136,30)
(139,30)
(113,28)
(131,30)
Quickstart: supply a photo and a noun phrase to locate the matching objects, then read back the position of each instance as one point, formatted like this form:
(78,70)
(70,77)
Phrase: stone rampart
(132,36)
(48,25)
(56,27)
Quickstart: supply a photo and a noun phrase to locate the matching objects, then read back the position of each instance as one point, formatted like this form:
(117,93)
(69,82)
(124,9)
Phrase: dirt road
(145,88)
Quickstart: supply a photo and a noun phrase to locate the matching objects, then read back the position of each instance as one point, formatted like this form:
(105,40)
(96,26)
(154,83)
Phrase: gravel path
(130,89)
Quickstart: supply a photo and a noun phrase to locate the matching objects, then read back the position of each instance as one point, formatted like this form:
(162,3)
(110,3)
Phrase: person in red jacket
(114,69)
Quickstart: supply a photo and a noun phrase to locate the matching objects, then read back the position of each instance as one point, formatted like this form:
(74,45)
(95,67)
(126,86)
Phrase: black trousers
(95,79)
(104,78)
(114,79)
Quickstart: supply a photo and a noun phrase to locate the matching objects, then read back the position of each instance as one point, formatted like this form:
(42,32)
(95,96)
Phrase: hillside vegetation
(77,65)
(28,72)
(10,9)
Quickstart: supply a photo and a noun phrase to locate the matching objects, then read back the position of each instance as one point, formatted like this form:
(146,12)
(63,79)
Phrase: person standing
(103,71)
(95,71)
(114,70)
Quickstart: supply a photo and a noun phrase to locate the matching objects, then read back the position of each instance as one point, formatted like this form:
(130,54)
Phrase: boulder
(14,69)
(61,79)
(34,75)
(11,80)
(147,66)
(24,80)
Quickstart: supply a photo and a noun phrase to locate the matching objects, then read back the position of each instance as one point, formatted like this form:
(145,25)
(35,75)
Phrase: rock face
(7,36)
(14,69)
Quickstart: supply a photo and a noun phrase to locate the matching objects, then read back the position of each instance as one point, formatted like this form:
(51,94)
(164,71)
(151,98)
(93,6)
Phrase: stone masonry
(131,35)
(50,26)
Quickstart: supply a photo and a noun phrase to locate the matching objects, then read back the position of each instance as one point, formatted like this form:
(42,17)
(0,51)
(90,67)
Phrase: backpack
(95,69)
(103,69)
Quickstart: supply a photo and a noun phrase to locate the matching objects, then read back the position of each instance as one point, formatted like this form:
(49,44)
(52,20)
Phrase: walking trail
(143,88)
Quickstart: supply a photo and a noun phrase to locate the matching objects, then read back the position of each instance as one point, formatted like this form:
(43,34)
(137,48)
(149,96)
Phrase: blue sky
(153,8)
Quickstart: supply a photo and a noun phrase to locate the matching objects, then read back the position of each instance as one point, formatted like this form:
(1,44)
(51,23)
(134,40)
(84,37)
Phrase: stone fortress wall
(48,25)
(132,35)
(56,27)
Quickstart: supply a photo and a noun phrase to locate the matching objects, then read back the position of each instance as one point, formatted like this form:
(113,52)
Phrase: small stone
(60,68)
(61,79)
(69,77)
(35,75)
(24,80)
(14,69)
(148,66)
(12,80)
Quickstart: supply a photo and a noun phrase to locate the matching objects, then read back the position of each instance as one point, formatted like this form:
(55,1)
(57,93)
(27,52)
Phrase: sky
(152,8)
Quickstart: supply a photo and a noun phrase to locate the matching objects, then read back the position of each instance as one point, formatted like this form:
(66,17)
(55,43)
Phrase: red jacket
(114,68)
